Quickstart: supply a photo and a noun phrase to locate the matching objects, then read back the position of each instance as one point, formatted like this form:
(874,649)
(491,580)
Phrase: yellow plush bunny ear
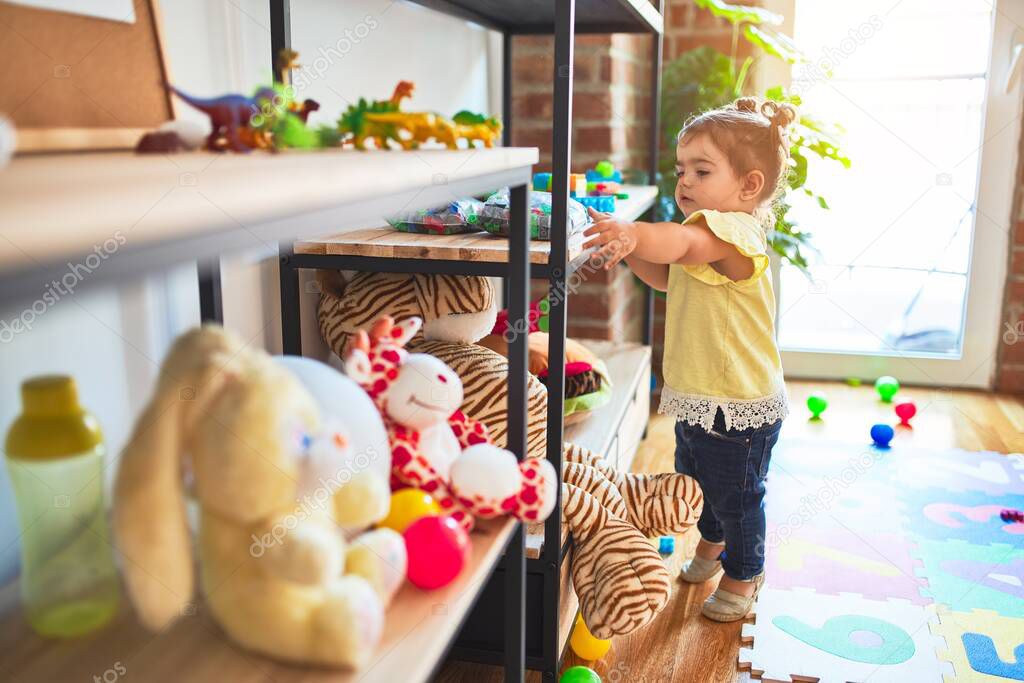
(149,508)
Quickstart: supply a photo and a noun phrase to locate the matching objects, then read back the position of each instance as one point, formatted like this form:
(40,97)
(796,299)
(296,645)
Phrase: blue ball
(882,434)
(666,545)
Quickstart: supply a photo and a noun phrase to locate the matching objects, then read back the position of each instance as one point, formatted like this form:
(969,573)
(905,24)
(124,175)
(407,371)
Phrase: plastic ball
(579,674)
(816,403)
(438,549)
(584,644)
(906,410)
(407,506)
(666,545)
(605,168)
(882,434)
(886,386)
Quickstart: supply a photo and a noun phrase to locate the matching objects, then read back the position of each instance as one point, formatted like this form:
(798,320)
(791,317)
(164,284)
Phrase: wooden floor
(680,645)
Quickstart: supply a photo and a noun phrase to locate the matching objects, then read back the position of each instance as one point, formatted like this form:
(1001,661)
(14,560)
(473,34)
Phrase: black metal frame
(516,274)
(546,570)
(517,283)
(506,590)
(211,308)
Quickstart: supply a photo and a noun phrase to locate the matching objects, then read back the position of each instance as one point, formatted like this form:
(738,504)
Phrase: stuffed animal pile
(434,446)
(283,500)
(621,581)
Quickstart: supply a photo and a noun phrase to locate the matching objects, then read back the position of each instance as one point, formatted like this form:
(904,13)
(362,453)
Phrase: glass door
(912,255)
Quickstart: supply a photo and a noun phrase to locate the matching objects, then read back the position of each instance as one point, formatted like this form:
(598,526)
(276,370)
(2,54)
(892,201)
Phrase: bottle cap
(50,396)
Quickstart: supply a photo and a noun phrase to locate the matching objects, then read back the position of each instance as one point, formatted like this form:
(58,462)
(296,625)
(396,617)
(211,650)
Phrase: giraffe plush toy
(434,446)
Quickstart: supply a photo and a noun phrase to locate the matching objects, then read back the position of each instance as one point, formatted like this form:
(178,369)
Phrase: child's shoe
(699,570)
(723,605)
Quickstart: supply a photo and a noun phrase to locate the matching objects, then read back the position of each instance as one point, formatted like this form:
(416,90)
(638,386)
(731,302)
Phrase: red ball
(438,549)
(906,410)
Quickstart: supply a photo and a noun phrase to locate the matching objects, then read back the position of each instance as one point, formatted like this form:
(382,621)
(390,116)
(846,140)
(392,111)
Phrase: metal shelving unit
(57,207)
(545,633)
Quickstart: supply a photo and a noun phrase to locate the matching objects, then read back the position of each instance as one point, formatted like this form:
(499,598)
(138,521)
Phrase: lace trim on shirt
(740,414)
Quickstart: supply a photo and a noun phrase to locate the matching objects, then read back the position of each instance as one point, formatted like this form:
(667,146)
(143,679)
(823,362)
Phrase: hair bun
(748,104)
(779,113)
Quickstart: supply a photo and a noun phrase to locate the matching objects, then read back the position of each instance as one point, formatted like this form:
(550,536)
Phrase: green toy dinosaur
(355,128)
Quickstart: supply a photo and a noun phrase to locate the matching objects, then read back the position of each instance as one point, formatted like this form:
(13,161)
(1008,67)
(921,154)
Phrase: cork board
(74,82)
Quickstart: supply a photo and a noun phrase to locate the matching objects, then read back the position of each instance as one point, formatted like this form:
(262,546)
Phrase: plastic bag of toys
(494,217)
(459,216)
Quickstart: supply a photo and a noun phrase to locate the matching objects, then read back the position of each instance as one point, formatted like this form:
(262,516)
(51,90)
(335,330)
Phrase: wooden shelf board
(627,364)
(145,212)
(418,629)
(386,242)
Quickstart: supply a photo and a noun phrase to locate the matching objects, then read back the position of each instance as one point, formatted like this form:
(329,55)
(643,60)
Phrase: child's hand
(616,239)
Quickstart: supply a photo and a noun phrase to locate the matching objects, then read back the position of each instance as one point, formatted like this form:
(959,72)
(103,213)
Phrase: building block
(801,635)
(577,185)
(957,470)
(834,559)
(974,517)
(604,204)
(981,645)
(966,577)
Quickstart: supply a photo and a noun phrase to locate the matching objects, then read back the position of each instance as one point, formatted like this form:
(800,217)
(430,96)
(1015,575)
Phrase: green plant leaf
(774,43)
(740,14)
(799,166)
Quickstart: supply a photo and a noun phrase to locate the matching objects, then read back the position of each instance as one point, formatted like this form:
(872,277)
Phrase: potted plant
(704,78)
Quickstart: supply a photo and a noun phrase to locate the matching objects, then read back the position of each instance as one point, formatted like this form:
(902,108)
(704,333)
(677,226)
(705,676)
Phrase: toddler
(722,370)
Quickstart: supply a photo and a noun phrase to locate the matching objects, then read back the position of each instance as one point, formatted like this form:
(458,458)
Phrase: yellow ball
(584,644)
(407,506)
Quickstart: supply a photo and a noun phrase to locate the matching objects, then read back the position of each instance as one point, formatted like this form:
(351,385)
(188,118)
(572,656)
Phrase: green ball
(886,386)
(605,168)
(816,403)
(579,674)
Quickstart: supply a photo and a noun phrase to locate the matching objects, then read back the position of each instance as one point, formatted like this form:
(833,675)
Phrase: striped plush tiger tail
(621,581)
(656,504)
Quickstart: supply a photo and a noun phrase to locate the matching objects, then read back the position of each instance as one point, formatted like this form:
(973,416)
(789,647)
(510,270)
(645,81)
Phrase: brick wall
(611,102)
(611,113)
(688,27)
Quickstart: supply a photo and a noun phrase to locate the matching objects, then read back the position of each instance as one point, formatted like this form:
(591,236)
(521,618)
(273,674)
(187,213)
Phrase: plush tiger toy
(457,312)
(621,581)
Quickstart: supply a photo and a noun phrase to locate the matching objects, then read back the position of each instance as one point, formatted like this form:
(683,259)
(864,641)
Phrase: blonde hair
(753,135)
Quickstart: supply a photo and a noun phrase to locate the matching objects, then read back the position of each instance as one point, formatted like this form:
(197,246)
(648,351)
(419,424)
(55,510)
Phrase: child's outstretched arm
(655,275)
(662,243)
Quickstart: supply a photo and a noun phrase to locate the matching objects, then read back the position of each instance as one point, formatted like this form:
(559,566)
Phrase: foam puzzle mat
(890,565)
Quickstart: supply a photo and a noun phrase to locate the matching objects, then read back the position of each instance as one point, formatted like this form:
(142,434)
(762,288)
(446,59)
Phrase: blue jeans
(731,467)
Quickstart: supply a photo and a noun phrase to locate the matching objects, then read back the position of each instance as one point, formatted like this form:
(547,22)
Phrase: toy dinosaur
(419,127)
(472,126)
(355,128)
(385,123)
(228,114)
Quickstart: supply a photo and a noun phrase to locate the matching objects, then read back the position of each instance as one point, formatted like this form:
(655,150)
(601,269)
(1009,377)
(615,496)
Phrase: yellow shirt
(720,349)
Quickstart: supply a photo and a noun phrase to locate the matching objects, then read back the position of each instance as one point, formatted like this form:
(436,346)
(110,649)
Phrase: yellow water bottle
(69,584)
